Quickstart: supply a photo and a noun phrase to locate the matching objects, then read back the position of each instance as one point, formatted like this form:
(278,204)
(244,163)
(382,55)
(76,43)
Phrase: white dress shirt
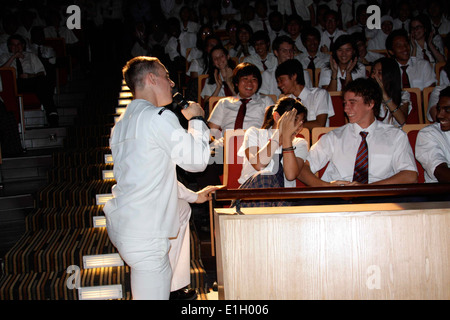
(187,40)
(432,149)
(147,144)
(320,61)
(226,110)
(271,61)
(325,39)
(255,137)
(389,152)
(420,73)
(317,101)
(325,76)
(30,63)
(301,6)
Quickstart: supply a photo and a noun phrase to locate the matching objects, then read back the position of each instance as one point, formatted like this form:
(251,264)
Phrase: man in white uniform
(388,158)
(433,143)
(147,144)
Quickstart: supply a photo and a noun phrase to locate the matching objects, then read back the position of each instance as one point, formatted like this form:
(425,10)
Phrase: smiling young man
(317,101)
(363,151)
(262,58)
(433,143)
(247,108)
(416,73)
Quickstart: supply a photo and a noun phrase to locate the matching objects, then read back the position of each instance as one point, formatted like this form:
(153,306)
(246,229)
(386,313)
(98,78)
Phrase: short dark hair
(281,39)
(368,89)
(246,69)
(136,68)
(283,105)
(445,92)
(396,33)
(291,67)
(17,37)
(260,35)
(310,32)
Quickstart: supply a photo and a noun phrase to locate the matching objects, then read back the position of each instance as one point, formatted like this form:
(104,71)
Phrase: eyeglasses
(445,108)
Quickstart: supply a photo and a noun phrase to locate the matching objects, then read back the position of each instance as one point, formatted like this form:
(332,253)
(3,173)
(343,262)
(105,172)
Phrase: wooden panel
(376,251)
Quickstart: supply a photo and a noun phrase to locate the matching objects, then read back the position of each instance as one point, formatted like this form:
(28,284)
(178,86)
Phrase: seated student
(243,48)
(378,42)
(31,75)
(273,155)
(363,151)
(416,73)
(220,75)
(247,108)
(262,58)
(366,57)
(294,26)
(283,49)
(396,104)
(276,26)
(433,143)
(312,58)
(291,82)
(331,32)
(425,44)
(343,67)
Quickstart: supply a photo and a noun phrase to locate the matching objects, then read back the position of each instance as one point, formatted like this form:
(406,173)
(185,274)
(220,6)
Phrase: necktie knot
(245,101)
(363,134)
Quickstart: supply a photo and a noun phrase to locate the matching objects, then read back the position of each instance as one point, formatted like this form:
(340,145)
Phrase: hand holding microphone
(188,109)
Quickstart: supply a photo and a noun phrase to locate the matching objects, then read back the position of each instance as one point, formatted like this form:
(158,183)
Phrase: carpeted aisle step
(72,193)
(79,173)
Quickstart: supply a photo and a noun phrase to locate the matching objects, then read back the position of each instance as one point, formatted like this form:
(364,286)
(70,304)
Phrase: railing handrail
(334,192)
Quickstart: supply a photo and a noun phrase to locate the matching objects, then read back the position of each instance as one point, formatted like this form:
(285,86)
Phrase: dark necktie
(179,47)
(342,80)
(19,67)
(361,173)
(264,64)
(280,173)
(293,9)
(405,78)
(264,25)
(425,56)
(241,114)
(312,66)
(227,90)
(331,43)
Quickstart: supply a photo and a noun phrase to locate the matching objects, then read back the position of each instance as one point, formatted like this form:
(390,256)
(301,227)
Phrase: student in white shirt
(317,101)
(283,48)
(294,28)
(378,42)
(220,75)
(425,43)
(276,26)
(433,143)
(331,33)
(419,72)
(262,58)
(440,23)
(343,67)
(404,14)
(247,82)
(311,39)
(243,48)
(396,104)
(366,57)
(390,157)
(273,155)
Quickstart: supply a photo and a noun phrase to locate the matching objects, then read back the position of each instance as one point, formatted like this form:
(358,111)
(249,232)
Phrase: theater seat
(415,116)
(412,130)
(316,133)
(339,118)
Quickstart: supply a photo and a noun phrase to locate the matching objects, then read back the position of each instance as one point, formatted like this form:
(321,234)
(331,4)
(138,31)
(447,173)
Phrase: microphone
(180,101)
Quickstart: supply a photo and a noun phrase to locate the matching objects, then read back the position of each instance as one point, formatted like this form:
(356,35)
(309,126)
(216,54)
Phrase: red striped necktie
(405,78)
(361,173)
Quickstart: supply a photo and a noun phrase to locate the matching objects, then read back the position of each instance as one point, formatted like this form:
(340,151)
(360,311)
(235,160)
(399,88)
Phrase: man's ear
(276,116)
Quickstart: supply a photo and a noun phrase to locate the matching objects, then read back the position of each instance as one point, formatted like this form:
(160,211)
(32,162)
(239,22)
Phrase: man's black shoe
(183,294)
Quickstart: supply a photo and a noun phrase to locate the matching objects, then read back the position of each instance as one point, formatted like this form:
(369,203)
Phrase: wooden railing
(416,189)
